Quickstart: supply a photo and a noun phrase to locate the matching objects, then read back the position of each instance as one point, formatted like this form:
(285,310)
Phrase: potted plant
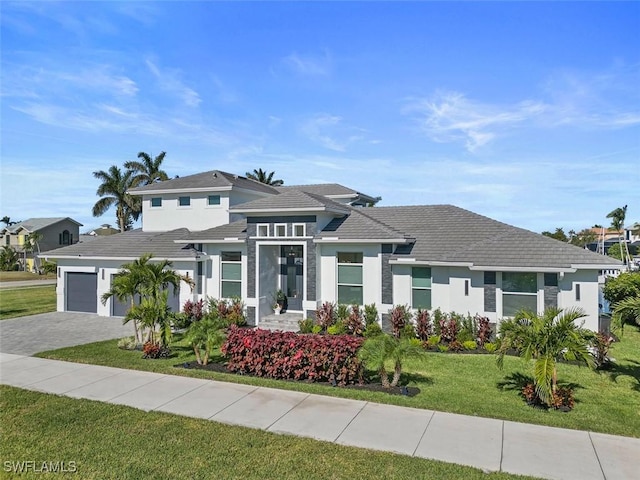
(280,302)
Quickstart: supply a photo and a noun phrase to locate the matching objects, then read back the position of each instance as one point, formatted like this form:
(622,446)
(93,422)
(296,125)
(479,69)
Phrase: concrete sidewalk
(488,444)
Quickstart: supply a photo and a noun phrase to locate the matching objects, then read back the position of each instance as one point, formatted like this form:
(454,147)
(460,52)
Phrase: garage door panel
(82,292)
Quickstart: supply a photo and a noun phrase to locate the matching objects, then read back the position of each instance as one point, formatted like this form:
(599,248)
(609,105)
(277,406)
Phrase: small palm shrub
(490,347)
(205,335)
(378,350)
(370,314)
(469,345)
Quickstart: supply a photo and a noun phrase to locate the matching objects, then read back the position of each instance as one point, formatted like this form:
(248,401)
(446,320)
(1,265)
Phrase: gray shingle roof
(231,230)
(326,189)
(130,245)
(292,200)
(360,226)
(445,233)
(211,179)
(34,224)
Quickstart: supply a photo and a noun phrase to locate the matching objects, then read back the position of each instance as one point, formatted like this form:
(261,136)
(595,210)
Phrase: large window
(519,292)
(421,287)
(231,274)
(350,278)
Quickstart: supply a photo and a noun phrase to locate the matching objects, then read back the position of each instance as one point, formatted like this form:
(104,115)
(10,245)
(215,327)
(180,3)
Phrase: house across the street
(236,237)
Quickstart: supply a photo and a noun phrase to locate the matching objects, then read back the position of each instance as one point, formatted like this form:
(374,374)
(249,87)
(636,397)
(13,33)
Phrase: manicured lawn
(18,302)
(607,401)
(123,442)
(21,276)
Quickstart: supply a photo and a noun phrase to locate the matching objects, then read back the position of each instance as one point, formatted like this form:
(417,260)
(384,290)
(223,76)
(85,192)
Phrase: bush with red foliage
(484,330)
(287,355)
(424,327)
(399,316)
(193,310)
(326,315)
(355,321)
(562,398)
(449,328)
(155,350)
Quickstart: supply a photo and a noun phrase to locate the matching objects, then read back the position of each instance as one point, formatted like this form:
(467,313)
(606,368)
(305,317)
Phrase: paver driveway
(48,331)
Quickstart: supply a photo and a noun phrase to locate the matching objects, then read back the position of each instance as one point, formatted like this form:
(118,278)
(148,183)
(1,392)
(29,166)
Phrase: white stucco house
(238,237)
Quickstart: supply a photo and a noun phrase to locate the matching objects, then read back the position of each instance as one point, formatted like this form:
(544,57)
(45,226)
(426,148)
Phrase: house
(103,230)
(56,232)
(237,237)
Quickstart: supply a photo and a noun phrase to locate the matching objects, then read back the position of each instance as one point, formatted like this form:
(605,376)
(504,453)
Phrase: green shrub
(408,331)
(316,329)
(433,340)
(443,348)
(342,312)
(372,330)
(370,314)
(49,267)
(490,347)
(127,343)
(306,325)
(338,328)
(469,345)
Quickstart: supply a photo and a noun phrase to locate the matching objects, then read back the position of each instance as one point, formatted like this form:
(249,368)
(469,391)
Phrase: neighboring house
(56,232)
(237,237)
(102,231)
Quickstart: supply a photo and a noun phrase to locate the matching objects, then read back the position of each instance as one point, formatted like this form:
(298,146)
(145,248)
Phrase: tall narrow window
(466,288)
(519,292)
(298,230)
(280,230)
(231,274)
(421,287)
(262,230)
(66,238)
(577,292)
(350,291)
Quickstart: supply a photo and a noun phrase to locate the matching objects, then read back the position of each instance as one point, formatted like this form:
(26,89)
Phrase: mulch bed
(368,386)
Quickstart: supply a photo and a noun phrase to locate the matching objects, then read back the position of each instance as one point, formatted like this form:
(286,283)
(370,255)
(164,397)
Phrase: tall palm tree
(545,338)
(262,176)
(617,217)
(147,170)
(113,192)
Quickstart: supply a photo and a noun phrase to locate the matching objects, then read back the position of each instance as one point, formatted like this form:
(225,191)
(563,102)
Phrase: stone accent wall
(386,323)
(387,275)
(251,316)
(489,298)
(550,297)
(251,261)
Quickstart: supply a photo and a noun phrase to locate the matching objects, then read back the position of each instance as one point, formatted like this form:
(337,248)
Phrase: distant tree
(615,251)
(113,192)
(32,245)
(9,259)
(558,235)
(262,176)
(7,221)
(620,289)
(147,170)
(617,217)
(583,238)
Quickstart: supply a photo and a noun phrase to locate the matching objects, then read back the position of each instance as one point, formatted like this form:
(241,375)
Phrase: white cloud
(450,116)
(331,132)
(311,65)
(169,80)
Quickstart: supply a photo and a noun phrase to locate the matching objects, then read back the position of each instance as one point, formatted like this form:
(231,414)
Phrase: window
(577,292)
(231,274)
(350,278)
(263,230)
(7,239)
(421,287)
(299,230)
(65,238)
(519,292)
(184,201)
(489,278)
(199,278)
(466,288)
(156,202)
(550,279)
(281,230)
(214,200)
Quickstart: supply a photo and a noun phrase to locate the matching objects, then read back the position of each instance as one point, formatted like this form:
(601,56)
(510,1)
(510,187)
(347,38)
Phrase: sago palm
(546,338)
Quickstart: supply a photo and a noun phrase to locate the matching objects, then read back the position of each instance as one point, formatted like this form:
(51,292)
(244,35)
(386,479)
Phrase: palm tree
(203,336)
(113,190)
(546,338)
(378,350)
(617,217)
(261,176)
(627,309)
(31,244)
(147,170)
(9,259)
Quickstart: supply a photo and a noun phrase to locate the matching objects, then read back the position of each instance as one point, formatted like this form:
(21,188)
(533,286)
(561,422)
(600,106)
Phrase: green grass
(18,302)
(607,401)
(124,443)
(22,276)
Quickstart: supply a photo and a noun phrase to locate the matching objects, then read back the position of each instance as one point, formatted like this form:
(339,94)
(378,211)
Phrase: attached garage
(81,292)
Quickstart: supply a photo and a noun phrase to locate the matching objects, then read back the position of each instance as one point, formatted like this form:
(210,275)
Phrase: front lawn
(22,276)
(18,302)
(123,442)
(607,401)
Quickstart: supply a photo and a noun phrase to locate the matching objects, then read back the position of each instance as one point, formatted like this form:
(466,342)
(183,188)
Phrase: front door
(292,279)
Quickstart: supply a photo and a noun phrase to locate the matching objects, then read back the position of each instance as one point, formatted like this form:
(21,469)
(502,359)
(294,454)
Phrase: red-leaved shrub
(287,355)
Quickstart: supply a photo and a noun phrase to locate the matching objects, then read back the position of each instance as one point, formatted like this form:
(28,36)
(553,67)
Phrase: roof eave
(181,190)
(361,240)
(288,211)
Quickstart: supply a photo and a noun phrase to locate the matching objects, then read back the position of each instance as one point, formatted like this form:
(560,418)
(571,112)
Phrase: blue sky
(525,112)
